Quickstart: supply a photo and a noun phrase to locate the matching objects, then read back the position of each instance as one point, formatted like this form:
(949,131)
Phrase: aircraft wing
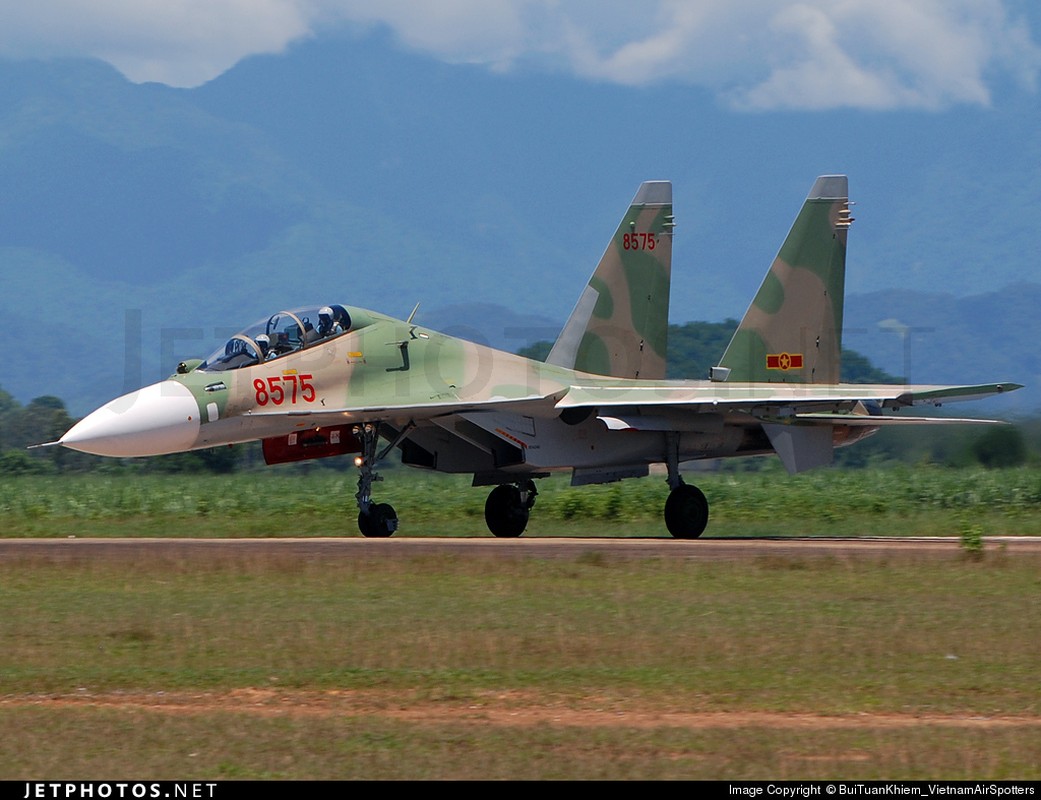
(412,411)
(748,396)
(806,403)
(798,419)
(876,421)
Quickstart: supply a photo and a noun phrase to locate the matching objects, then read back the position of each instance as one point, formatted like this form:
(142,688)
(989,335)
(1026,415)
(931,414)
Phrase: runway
(484,546)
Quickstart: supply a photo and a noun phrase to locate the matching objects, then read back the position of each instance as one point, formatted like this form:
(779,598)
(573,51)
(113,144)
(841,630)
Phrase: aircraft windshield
(278,335)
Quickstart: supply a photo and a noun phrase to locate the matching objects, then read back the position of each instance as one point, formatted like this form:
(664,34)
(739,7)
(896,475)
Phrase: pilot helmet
(325,313)
(264,341)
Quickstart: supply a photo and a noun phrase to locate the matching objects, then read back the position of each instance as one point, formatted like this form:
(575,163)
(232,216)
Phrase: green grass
(924,641)
(832,502)
(439,654)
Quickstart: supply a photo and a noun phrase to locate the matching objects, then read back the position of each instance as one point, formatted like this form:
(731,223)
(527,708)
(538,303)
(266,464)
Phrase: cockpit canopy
(278,335)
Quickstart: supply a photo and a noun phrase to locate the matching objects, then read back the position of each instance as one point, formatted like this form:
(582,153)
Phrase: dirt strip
(501,709)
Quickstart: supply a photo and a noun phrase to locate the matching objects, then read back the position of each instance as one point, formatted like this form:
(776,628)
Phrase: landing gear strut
(374,519)
(507,508)
(686,510)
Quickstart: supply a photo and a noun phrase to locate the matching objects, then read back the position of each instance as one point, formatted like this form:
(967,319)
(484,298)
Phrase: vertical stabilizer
(620,323)
(792,332)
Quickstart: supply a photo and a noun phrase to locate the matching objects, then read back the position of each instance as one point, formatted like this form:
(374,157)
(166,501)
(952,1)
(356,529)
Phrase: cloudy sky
(752,55)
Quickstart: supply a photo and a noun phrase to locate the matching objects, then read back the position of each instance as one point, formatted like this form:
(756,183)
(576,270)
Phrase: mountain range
(141,224)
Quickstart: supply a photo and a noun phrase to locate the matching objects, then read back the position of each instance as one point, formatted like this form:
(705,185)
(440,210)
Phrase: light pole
(904,332)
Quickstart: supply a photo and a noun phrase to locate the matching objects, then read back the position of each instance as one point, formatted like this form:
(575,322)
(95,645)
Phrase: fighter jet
(334,379)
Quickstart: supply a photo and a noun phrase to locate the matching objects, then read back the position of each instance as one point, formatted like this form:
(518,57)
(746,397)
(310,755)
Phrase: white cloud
(887,54)
(754,54)
(180,42)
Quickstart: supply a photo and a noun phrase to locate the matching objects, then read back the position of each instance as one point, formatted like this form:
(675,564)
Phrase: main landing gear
(686,510)
(377,520)
(508,506)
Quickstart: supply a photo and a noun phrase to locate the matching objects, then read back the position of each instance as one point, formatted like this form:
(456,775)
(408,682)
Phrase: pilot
(328,325)
(264,343)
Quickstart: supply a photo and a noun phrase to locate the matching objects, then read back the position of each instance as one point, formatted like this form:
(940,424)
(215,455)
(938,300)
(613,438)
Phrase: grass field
(467,668)
(275,667)
(893,501)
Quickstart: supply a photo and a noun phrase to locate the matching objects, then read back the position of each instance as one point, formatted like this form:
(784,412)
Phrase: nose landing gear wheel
(379,522)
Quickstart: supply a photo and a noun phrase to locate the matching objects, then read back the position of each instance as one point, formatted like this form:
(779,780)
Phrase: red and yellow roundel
(784,361)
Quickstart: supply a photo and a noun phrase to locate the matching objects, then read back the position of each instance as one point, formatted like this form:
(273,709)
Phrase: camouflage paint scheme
(797,313)
(598,407)
(620,323)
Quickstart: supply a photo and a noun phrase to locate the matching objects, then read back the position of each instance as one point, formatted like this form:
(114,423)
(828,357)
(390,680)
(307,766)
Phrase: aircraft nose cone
(161,418)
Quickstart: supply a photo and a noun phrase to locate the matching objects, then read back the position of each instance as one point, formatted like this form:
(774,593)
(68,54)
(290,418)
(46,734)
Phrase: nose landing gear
(376,520)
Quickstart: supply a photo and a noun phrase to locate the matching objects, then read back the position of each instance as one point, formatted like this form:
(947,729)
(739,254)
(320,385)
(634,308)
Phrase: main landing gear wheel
(379,522)
(507,509)
(686,512)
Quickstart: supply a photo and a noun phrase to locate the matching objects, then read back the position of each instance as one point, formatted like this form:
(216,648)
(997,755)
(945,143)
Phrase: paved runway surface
(708,549)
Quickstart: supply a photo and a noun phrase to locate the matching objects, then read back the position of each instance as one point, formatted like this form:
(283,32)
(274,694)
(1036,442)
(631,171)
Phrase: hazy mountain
(935,337)
(139,223)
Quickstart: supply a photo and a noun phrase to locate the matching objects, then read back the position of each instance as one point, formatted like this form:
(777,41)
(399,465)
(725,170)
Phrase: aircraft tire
(380,522)
(686,512)
(504,513)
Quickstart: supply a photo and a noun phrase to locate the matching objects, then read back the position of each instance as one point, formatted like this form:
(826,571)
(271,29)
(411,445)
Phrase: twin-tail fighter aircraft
(335,379)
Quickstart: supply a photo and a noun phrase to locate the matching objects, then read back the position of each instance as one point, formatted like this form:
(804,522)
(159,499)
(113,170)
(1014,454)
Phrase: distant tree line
(693,348)
(46,419)
(696,347)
